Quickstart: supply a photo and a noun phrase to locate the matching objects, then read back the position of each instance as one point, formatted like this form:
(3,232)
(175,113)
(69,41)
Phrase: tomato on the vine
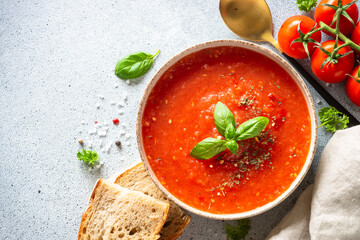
(353,86)
(326,15)
(335,70)
(289,32)
(355,36)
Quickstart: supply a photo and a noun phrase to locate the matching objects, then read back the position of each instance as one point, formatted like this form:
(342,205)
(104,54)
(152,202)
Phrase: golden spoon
(249,19)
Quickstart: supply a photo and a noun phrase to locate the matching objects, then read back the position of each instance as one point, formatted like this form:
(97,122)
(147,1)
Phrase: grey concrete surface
(56,58)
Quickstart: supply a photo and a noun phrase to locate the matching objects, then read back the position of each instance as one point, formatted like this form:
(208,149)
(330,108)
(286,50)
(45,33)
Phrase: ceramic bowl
(288,68)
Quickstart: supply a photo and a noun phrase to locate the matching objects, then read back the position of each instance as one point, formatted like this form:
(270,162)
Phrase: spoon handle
(268,37)
(321,90)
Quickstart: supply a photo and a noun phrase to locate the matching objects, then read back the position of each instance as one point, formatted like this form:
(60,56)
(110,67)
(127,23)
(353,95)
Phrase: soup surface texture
(179,114)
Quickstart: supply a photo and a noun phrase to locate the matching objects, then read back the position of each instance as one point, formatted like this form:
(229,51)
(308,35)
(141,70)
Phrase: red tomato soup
(179,114)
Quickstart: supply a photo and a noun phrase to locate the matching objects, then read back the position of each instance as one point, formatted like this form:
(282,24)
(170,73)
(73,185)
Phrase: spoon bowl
(249,19)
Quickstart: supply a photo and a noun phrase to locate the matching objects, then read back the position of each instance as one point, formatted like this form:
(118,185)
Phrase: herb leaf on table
(239,231)
(89,157)
(306,5)
(332,119)
(134,65)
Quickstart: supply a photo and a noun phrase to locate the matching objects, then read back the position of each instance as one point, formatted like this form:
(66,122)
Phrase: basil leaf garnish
(251,128)
(230,132)
(225,124)
(223,117)
(134,65)
(208,148)
(232,146)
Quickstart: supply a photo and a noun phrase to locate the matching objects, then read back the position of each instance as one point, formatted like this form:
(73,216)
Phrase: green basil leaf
(233,146)
(223,117)
(134,65)
(251,128)
(208,148)
(230,132)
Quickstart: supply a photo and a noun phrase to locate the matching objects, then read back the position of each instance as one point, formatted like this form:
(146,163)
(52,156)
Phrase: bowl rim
(282,63)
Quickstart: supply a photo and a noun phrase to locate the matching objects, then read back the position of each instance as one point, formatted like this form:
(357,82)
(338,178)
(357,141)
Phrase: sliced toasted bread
(119,213)
(138,179)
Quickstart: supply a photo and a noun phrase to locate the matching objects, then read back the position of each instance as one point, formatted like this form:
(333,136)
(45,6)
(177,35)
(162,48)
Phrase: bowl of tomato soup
(177,112)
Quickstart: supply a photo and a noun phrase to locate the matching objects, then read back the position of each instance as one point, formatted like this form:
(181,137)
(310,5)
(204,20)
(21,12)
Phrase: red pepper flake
(96,122)
(116,121)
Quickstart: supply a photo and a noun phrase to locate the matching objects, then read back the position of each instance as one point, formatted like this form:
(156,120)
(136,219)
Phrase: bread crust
(99,186)
(181,218)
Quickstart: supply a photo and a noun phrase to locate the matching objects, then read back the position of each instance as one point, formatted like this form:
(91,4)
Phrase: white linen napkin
(330,208)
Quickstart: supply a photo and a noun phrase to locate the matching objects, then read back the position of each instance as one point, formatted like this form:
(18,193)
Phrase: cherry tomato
(289,32)
(332,72)
(355,36)
(326,14)
(353,87)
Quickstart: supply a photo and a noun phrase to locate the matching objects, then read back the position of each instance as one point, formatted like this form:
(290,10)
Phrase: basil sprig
(134,65)
(225,124)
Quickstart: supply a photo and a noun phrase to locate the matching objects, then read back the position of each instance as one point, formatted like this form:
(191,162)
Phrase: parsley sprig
(332,119)
(89,157)
(306,5)
(239,231)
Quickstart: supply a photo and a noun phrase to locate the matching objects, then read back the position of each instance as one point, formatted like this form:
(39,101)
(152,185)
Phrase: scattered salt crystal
(128,82)
(89,169)
(98,166)
(82,122)
(103,149)
(122,132)
(125,96)
(101,143)
(123,124)
(327,84)
(121,112)
(97,105)
(116,85)
(80,131)
(101,163)
(106,128)
(102,134)
(120,104)
(127,135)
(112,103)
(127,143)
(108,148)
(106,124)
(101,96)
